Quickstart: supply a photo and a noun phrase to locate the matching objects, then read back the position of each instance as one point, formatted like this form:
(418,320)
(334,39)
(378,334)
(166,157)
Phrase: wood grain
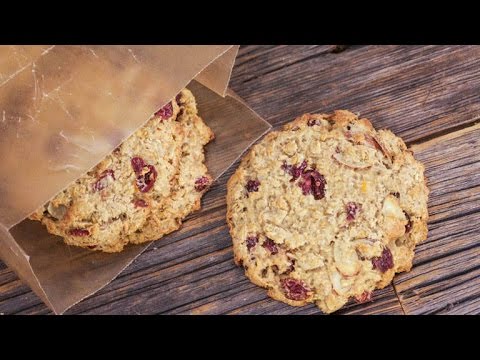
(446,270)
(416,91)
(452,165)
(426,94)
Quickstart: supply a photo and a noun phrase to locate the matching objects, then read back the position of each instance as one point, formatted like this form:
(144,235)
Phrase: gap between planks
(398,298)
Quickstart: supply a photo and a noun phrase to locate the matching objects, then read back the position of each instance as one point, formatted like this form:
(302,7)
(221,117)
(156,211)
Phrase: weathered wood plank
(155,296)
(437,284)
(447,266)
(467,307)
(224,303)
(16,296)
(266,60)
(417,91)
(37,309)
(453,170)
(167,271)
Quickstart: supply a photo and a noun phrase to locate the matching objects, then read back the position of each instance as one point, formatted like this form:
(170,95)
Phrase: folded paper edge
(234,95)
(9,249)
(221,68)
(230,93)
(61,311)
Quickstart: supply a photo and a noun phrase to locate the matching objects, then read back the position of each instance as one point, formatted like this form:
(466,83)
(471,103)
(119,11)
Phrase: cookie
(327,209)
(115,198)
(193,179)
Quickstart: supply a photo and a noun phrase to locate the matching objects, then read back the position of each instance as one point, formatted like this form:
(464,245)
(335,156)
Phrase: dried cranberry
(79,232)
(352,210)
(384,262)
(102,181)
(165,112)
(270,245)
(202,183)
(140,203)
(146,181)
(408,227)
(364,297)
(294,170)
(295,289)
(251,242)
(137,164)
(313,183)
(252,185)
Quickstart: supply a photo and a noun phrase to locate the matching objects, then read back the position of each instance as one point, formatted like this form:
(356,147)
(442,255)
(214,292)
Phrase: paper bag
(63,109)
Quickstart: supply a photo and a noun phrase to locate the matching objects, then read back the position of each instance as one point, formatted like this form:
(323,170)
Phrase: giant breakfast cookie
(327,209)
(192,181)
(115,202)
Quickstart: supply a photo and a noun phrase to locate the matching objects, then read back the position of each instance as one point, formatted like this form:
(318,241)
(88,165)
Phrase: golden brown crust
(307,246)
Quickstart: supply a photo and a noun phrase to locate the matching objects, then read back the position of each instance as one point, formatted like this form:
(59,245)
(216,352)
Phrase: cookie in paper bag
(120,200)
(192,180)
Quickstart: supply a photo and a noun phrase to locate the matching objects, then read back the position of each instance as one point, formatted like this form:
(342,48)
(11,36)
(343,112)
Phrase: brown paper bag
(63,109)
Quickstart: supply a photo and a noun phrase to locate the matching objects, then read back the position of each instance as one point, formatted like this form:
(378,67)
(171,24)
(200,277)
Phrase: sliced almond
(57,212)
(375,143)
(394,220)
(346,258)
(391,208)
(367,248)
(289,147)
(339,284)
(343,160)
(279,234)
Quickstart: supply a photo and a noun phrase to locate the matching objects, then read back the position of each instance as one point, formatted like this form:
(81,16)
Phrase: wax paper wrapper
(63,109)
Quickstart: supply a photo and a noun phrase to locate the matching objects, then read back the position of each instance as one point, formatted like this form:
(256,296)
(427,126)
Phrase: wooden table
(429,95)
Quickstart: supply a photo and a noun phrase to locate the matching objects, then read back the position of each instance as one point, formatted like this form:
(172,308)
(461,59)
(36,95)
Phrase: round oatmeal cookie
(193,179)
(327,209)
(115,198)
